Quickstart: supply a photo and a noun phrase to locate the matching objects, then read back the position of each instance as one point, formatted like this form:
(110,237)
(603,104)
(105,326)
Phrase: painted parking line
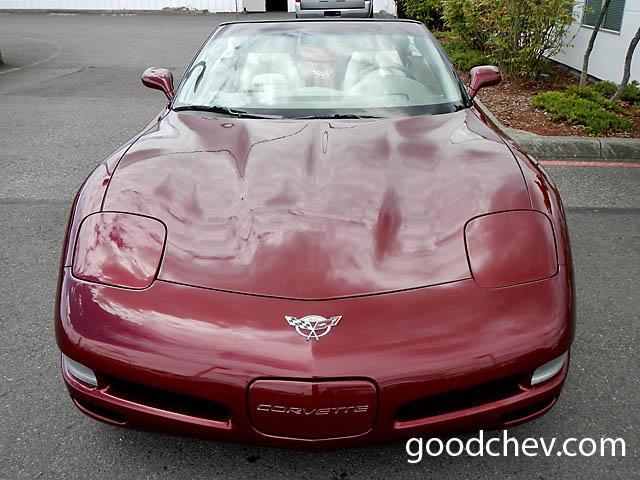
(571,163)
(39,62)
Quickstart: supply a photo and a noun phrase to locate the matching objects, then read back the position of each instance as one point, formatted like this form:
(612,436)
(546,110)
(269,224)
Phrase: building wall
(210,5)
(607,59)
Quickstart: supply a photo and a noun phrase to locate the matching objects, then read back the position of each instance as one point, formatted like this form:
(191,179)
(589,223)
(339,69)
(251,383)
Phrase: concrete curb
(542,147)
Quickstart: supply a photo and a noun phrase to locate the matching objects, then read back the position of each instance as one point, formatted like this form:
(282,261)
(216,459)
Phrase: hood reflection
(316,209)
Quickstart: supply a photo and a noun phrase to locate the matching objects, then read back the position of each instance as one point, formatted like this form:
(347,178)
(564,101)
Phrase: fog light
(79,371)
(548,370)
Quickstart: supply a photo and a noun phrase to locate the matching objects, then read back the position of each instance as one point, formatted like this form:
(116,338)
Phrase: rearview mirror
(159,79)
(483,76)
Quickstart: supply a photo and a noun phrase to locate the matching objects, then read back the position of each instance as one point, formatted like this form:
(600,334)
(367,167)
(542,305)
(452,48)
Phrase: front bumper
(445,358)
(335,12)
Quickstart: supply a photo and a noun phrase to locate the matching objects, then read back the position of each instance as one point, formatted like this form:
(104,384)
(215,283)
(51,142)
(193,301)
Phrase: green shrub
(462,55)
(516,34)
(631,92)
(571,108)
(470,19)
(545,67)
(589,92)
(428,12)
(606,89)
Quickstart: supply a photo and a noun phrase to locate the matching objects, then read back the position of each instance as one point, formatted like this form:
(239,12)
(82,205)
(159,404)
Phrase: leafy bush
(461,54)
(569,107)
(631,92)
(470,19)
(428,12)
(605,88)
(516,34)
(590,93)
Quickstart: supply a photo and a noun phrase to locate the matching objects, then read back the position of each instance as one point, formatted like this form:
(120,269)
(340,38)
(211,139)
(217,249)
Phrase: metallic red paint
(159,79)
(528,255)
(482,77)
(354,208)
(363,219)
(90,197)
(412,344)
(313,410)
(119,249)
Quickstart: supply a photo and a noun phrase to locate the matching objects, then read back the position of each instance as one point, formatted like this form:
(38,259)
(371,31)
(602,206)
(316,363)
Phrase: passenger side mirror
(483,76)
(159,79)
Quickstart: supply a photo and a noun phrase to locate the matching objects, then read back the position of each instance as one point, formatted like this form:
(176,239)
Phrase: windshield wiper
(337,116)
(225,110)
(244,114)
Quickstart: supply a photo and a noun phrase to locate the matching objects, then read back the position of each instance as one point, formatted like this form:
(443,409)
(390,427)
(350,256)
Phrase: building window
(612,18)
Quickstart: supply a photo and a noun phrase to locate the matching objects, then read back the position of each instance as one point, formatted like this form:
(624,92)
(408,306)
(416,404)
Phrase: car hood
(315,209)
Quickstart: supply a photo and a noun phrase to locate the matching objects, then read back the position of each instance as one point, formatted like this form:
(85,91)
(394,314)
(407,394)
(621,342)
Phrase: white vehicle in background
(334,8)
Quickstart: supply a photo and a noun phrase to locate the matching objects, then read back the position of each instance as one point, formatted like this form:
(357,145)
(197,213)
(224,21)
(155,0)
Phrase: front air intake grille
(168,401)
(458,400)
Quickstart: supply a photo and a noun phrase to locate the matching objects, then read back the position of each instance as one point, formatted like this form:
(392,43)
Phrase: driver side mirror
(483,76)
(159,79)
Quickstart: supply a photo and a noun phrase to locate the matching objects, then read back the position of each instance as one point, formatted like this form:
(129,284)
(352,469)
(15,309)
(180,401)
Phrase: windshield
(317,69)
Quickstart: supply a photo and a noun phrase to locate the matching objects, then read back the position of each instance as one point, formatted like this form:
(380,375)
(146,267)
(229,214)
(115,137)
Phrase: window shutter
(613,18)
(591,11)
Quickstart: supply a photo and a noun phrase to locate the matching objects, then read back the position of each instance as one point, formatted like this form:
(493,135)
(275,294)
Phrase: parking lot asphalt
(70,93)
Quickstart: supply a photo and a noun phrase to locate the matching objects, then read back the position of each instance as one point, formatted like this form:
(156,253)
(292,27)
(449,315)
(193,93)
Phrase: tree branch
(627,66)
(592,40)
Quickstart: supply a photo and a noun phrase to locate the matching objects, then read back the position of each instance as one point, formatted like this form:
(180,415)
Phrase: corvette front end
(316,281)
(396,365)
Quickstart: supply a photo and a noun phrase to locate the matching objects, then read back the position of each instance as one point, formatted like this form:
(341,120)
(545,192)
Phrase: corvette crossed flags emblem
(313,326)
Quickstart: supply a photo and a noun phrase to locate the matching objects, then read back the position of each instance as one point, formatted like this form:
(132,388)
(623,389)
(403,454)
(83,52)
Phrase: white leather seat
(262,68)
(371,61)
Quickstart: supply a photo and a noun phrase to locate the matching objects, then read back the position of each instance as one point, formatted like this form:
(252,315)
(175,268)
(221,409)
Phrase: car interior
(297,71)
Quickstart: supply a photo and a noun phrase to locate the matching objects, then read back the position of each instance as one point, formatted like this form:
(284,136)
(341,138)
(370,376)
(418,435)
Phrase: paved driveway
(67,79)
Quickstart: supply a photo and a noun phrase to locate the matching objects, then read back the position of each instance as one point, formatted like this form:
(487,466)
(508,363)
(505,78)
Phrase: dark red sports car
(320,241)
